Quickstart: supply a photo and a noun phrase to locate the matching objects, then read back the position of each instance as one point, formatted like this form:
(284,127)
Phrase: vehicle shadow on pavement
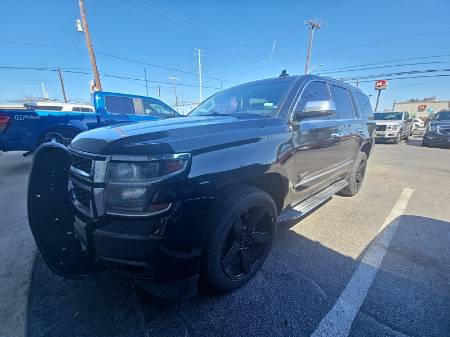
(414,142)
(297,286)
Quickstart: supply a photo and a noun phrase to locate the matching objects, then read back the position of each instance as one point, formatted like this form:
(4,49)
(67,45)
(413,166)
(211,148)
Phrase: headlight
(432,128)
(131,183)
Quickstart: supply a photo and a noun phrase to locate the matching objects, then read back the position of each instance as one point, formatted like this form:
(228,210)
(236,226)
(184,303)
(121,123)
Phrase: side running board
(306,206)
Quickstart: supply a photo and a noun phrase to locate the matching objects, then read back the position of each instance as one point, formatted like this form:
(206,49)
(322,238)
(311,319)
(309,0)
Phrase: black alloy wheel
(241,229)
(246,242)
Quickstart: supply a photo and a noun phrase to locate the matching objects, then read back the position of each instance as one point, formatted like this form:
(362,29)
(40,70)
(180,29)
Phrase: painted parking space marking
(339,319)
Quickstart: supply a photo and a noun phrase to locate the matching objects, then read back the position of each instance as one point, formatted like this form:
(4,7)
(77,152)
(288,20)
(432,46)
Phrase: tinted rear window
(343,102)
(363,103)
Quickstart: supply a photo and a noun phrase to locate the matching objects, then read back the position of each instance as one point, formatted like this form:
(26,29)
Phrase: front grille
(81,163)
(82,196)
(381,127)
(443,130)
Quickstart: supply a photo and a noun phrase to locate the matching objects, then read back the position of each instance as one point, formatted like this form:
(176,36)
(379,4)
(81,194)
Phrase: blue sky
(237,39)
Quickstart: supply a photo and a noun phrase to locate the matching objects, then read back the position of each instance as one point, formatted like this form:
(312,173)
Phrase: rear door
(349,126)
(51,217)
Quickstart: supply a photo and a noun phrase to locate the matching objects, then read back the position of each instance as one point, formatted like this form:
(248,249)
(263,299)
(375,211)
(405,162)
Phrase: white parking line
(339,319)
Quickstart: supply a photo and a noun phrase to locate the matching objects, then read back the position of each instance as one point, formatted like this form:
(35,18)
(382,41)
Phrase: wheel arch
(272,183)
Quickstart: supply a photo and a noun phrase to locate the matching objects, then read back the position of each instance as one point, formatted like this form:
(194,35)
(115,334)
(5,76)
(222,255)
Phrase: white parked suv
(393,126)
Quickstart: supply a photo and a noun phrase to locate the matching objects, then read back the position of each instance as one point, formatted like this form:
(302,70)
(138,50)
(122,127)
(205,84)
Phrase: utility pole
(87,35)
(159,91)
(312,26)
(174,79)
(393,104)
(378,100)
(200,86)
(146,82)
(61,81)
(357,83)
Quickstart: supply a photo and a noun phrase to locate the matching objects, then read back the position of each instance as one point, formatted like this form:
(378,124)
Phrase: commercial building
(422,108)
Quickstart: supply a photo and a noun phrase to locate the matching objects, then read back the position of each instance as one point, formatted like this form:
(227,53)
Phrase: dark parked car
(437,132)
(170,202)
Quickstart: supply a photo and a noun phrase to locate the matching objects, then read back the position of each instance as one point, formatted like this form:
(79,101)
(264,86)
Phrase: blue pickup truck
(25,129)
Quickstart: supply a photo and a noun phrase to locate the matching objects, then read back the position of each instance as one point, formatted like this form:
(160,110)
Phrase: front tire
(356,176)
(398,138)
(242,227)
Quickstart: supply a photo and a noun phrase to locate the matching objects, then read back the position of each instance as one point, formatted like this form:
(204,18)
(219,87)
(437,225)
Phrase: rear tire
(356,176)
(52,136)
(242,226)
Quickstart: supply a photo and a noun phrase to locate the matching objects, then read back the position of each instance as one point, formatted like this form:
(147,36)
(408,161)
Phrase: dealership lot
(387,248)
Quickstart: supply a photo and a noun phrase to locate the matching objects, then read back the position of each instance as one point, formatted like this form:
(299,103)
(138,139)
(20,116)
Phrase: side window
(158,109)
(119,105)
(315,91)
(365,109)
(343,102)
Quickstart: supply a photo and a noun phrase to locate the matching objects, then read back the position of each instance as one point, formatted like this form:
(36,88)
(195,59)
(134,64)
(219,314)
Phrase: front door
(317,145)
(50,214)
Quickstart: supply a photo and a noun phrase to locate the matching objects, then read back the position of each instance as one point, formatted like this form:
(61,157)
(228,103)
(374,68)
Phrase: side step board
(306,206)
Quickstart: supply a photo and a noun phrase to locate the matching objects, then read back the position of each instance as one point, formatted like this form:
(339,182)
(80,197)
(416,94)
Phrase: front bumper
(436,140)
(161,254)
(386,135)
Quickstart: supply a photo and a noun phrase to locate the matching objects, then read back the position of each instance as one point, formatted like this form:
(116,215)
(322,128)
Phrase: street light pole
(200,85)
(87,35)
(146,82)
(313,26)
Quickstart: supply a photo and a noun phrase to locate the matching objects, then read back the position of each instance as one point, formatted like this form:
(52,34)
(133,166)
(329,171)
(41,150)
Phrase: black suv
(438,130)
(171,202)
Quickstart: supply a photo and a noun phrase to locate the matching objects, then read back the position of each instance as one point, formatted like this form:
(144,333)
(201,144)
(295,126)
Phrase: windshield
(388,116)
(443,116)
(258,98)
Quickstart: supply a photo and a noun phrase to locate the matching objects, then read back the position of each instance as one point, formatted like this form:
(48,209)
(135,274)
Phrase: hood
(173,135)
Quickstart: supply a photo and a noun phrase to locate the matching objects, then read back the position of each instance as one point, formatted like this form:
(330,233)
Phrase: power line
(122,58)
(385,66)
(408,77)
(387,61)
(396,74)
(105,75)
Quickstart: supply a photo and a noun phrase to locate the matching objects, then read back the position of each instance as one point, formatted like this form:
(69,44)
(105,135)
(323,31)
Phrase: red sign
(381,84)
(421,107)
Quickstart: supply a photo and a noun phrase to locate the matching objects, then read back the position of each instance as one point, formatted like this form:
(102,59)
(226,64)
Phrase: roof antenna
(283,74)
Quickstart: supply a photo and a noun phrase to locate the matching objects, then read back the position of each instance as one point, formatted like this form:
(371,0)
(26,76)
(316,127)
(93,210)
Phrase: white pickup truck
(393,126)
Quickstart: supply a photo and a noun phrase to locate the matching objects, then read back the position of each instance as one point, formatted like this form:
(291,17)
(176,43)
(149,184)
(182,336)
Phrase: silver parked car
(393,126)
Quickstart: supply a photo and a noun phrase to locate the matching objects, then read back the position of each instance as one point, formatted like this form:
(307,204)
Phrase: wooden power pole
(87,35)
(61,81)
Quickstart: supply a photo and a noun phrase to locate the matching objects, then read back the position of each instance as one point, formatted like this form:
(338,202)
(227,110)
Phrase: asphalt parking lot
(377,264)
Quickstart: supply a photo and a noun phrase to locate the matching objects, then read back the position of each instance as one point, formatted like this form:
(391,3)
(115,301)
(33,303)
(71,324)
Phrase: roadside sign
(381,84)
(421,107)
